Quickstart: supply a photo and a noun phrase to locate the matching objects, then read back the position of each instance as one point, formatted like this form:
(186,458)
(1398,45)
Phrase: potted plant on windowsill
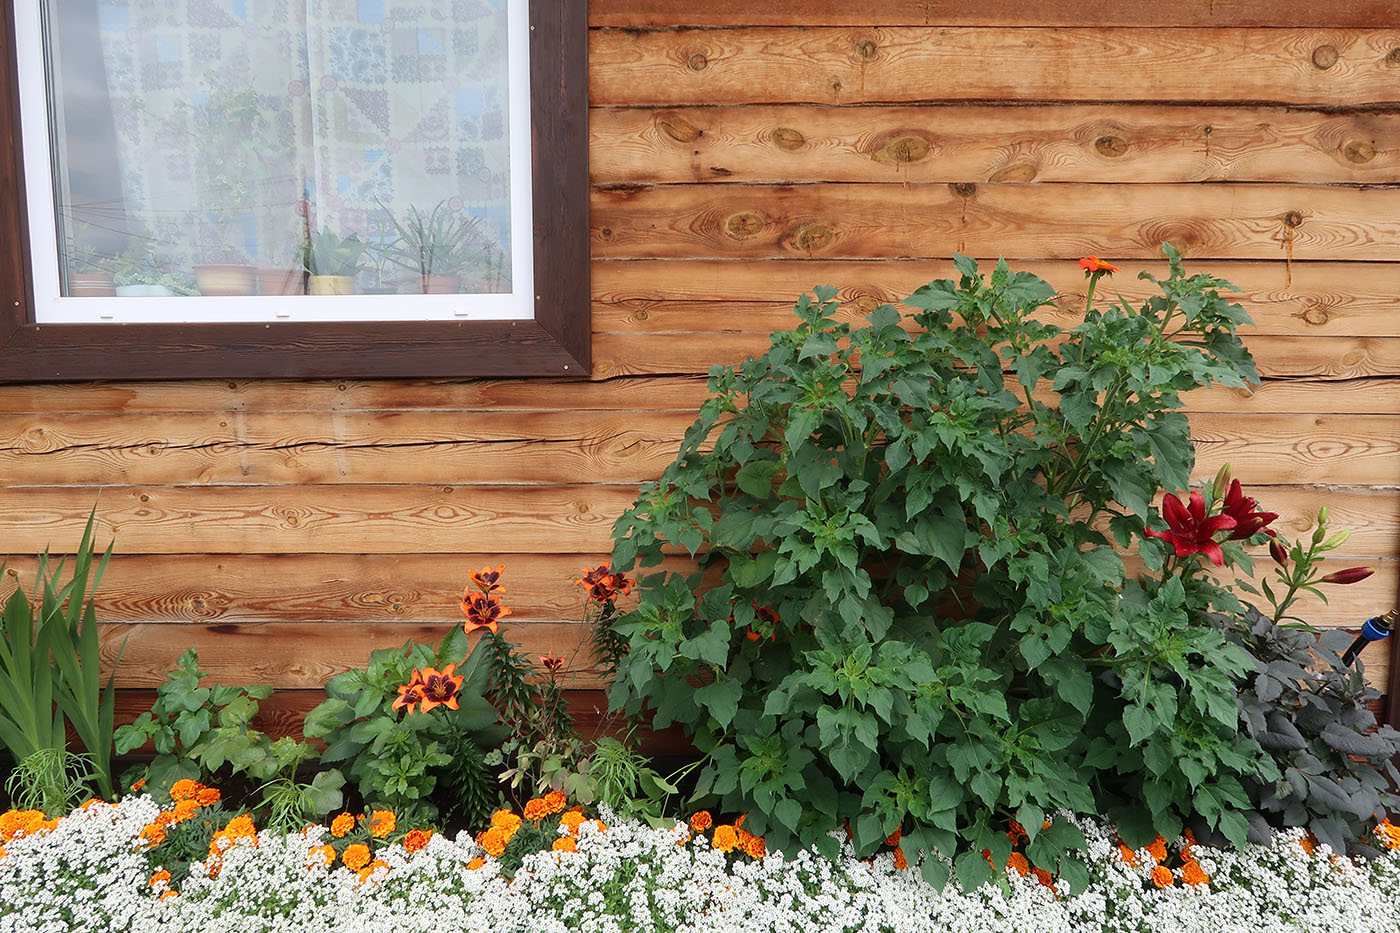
(431,246)
(139,273)
(331,261)
(227,271)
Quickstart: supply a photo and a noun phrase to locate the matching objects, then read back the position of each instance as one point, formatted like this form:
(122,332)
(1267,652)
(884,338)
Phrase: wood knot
(1393,58)
(901,150)
(606,233)
(963,189)
(866,49)
(1315,315)
(698,62)
(1293,219)
(678,128)
(1324,57)
(865,304)
(198,604)
(812,237)
(743,225)
(1016,171)
(787,138)
(145,498)
(1359,151)
(1111,146)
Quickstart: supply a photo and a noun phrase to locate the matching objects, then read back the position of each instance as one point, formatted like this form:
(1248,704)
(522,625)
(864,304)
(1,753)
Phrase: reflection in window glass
(274,147)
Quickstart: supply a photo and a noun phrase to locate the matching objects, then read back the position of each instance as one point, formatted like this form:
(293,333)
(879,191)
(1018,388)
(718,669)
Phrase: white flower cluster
(89,875)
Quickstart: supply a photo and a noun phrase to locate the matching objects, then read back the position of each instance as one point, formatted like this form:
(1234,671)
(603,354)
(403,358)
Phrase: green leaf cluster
(909,612)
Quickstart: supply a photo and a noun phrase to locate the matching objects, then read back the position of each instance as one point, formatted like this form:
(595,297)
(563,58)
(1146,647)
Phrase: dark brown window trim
(555,343)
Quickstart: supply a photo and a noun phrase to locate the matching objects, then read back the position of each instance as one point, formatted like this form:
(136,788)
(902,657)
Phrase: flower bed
(88,872)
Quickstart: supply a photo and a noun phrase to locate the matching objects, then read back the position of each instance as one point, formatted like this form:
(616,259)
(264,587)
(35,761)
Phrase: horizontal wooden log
(307,448)
(861,65)
(1122,144)
(670,13)
(1349,358)
(1282,449)
(1356,396)
(319,519)
(1063,221)
(425,589)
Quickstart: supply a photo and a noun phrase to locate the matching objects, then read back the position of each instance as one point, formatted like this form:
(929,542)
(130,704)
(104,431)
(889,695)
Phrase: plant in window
(332,261)
(436,246)
(912,518)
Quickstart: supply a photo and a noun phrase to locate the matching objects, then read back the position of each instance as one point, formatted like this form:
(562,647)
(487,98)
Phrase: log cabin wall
(742,153)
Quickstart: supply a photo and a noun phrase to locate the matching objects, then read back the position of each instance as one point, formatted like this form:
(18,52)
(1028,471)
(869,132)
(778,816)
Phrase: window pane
(223,147)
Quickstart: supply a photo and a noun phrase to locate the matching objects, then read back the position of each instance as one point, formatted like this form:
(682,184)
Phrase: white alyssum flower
(89,874)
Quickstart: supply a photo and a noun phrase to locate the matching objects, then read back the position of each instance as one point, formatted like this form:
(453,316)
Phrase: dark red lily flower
(1350,575)
(1278,552)
(1248,520)
(768,617)
(552,662)
(1189,530)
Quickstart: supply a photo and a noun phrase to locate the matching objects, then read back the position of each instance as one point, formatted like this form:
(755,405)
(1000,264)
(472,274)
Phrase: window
(295,188)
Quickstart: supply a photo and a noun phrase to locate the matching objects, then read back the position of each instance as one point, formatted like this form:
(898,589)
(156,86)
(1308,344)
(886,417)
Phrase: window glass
(280,149)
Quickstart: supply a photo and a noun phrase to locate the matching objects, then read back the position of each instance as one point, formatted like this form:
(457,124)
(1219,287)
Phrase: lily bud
(1350,575)
(1278,552)
(1222,482)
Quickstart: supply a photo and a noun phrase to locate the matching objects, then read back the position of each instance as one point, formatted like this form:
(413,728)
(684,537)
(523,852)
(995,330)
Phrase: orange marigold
(566,844)
(241,827)
(1308,843)
(341,825)
(208,796)
(167,895)
(356,856)
(1162,876)
(893,838)
(153,834)
(1019,862)
(1044,877)
(601,826)
(1193,874)
(987,854)
(725,838)
(370,869)
(184,810)
(382,823)
(20,822)
(1127,856)
(507,820)
(1014,831)
(321,855)
(476,863)
(494,841)
(1158,849)
(1388,834)
(555,801)
(160,877)
(754,846)
(417,839)
(701,821)
(900,861)
(536,810)
(572,820)
(185,789)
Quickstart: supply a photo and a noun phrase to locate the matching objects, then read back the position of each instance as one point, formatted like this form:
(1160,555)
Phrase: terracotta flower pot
(277,281)
(91,285)
(332,285)
(440,285)
(225,279)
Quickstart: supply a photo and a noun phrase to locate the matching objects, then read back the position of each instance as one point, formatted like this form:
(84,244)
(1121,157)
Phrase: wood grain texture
(865,64)
(1122,144)
(671,13)
(1066,221)
(552,447)
(1281,449)
(319,519)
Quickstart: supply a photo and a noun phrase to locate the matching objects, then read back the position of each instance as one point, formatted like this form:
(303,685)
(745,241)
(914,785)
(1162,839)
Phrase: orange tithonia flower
(382,823)
(1044,877)
(1127,856)
(566,844)
(725,838)
(536,810)
(488,580)
(701,821)
(160,877)
(1019,862)
(900,861)
(1092,264)
(602,585)
(1158,849)
(1388,834)
(417,839)
(476,863)
(483,611)
(341,825)
(1162,876)
(356,856)
(572,820)
(321,855)
(1193,874)
(555,801)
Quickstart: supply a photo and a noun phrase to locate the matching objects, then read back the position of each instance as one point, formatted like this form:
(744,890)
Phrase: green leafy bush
(909,614)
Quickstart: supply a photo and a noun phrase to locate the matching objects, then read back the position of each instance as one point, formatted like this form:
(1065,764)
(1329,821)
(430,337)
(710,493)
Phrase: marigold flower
(1308,843)
(321,855)
(476,863)
(600,826)
(417,839)
(91,802)
(1044,877)
(1015,831)
(341,825)
(725,838)
(987,854)
(382,823)
(369,870)
(153,834)
(555,801)
(494,841)
(19,822)
(1190,531)
(602,585)
(1387,834)
(900,861)
(1162,876)
(160,877)
(754,846)
(1127,856)
(1092,264)
(566,844)
(184,810)
(1350,575)
(1158,849)
(488,580)
(572,820)
(356,856)
(701,821)
(185,789)
(536,809)
(241,827)
(1193,874)
(167,895)
(506,820)
(893,838)
(483,611)
(1019,862)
